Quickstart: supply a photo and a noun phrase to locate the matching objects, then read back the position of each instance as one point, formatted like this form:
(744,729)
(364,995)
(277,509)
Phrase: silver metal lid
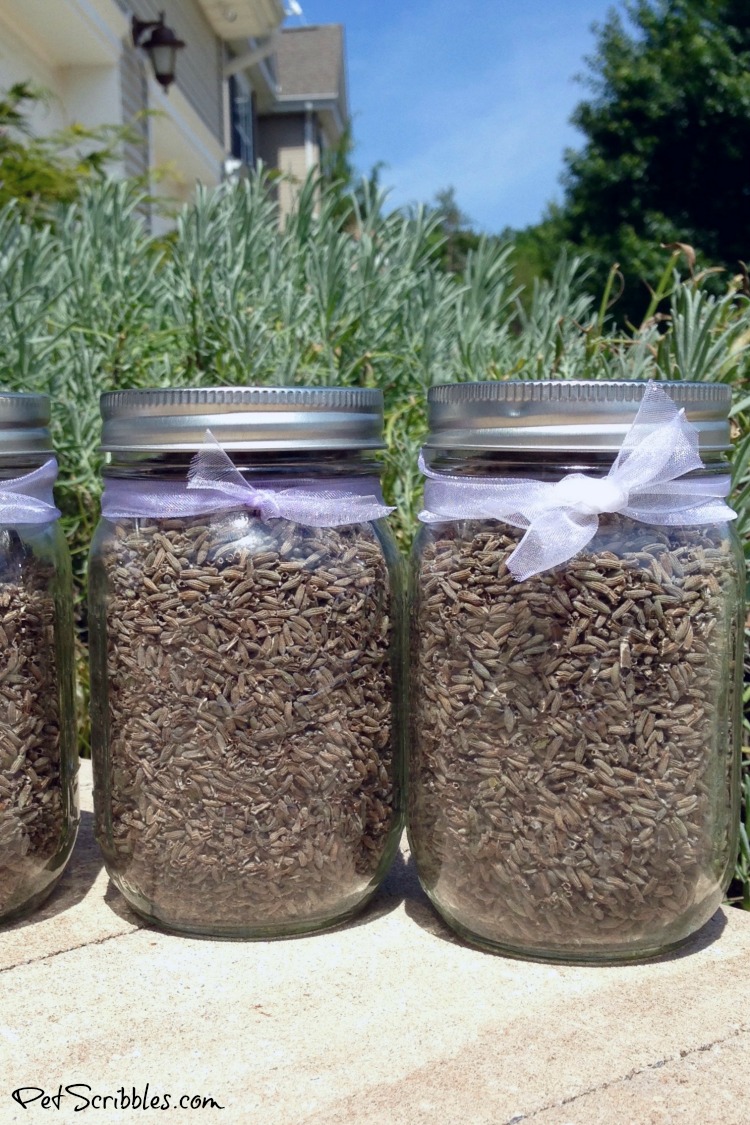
(24,424)
(563,414)
(251,418)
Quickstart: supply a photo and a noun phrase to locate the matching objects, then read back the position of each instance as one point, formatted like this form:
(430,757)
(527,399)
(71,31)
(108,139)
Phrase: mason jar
(38,749)
(246,617)
(576,626)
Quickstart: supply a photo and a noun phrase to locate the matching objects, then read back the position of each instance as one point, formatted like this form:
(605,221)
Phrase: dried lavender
(249,779)
(32,804)
(569,780)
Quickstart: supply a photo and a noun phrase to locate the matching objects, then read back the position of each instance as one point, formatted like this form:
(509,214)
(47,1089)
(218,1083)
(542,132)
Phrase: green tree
(667,138)
(353,195)
(455,237)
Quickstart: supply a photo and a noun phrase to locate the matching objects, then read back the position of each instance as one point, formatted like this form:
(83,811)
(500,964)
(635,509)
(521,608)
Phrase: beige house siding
(281,144)
(82,51)
(48,47)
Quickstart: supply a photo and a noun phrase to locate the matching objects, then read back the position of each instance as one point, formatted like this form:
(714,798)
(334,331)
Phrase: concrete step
(389,1020)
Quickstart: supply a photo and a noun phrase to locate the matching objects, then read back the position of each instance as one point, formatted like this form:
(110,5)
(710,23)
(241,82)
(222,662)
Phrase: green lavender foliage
(94,302)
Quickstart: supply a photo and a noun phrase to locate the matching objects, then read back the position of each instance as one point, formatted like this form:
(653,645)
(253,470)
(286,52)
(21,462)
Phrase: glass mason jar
(38,748)
(245,666)
(574,735)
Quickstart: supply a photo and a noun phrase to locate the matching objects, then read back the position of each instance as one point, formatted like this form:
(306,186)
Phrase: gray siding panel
(134,101)
(279,135)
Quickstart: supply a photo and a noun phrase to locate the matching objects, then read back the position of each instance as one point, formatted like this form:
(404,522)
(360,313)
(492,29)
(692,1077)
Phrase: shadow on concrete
(419,908)
(120,906)
(705,937)
(399,883)
(79,876)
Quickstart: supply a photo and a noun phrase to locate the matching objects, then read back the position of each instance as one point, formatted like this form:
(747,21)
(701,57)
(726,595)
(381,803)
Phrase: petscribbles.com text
(80,1096)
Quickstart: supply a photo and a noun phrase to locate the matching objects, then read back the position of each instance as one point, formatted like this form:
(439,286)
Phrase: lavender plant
(93,302)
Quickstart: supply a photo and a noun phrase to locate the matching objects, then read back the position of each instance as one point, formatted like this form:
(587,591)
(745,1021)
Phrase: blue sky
(472,94)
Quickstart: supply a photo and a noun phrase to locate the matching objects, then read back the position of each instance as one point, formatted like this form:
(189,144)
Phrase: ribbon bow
(560,519)
(28,499)
(215,484)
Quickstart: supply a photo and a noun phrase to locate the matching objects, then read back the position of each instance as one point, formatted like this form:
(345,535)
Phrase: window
(242,110)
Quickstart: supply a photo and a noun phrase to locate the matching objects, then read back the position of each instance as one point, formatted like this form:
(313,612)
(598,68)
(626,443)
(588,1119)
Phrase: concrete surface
(389,1021)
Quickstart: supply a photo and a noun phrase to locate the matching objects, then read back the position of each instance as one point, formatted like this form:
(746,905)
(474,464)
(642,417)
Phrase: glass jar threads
(245,655)
(38,750)
(575,633)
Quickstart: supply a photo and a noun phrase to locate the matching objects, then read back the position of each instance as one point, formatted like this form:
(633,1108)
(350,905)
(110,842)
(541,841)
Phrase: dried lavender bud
(249,780)
(32,813)
(569,774)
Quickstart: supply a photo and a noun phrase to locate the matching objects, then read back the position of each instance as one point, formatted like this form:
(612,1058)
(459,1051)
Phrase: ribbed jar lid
(24,423)
(563,414)
(252,418)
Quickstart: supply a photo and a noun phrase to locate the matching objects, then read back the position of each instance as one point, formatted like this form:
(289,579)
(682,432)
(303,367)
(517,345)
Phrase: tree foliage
(455,237)
(667,138)
(348,193)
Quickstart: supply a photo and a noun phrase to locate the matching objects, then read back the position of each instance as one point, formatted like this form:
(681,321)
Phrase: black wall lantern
(162,45)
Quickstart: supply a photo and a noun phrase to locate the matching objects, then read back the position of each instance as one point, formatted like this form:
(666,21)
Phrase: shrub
(91,302)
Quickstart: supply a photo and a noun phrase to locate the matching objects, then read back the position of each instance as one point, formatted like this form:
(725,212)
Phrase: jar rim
(564,414)
(24,424)
(242,418)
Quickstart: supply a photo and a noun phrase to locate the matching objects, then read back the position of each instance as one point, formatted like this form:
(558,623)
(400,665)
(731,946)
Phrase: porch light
(161,45)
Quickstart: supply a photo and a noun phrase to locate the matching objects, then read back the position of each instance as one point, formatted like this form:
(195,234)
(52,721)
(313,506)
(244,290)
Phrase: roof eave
(251,19)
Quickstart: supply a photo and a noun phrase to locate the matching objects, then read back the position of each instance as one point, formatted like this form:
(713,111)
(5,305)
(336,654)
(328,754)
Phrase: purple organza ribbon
(28,499)
(215,484)
(660,447)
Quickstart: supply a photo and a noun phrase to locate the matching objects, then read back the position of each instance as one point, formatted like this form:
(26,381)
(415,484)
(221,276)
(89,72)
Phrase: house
(244,88)
(307,111)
